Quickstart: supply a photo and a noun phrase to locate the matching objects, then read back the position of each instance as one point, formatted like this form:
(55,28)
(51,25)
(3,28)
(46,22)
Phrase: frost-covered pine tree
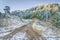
(1,15)
(45,15)
(7,11)
(56,19)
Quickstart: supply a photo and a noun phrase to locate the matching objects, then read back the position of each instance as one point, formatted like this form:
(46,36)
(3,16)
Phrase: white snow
(51,39)
(17,25)
(4,34)
(47,32)
(20,36)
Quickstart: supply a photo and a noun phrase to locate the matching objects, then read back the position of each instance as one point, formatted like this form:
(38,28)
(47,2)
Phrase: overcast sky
(23,4)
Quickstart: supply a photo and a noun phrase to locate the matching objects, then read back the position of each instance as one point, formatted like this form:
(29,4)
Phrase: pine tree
(7,11)
(56,19)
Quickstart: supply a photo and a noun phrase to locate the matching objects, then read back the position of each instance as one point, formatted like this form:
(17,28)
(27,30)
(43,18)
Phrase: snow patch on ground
(47,32)
(6,30)
(17,25)
(20,36)
(4,34)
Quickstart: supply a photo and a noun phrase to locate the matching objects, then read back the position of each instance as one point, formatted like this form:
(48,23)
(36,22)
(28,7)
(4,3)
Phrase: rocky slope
(34,30)
(25,27)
